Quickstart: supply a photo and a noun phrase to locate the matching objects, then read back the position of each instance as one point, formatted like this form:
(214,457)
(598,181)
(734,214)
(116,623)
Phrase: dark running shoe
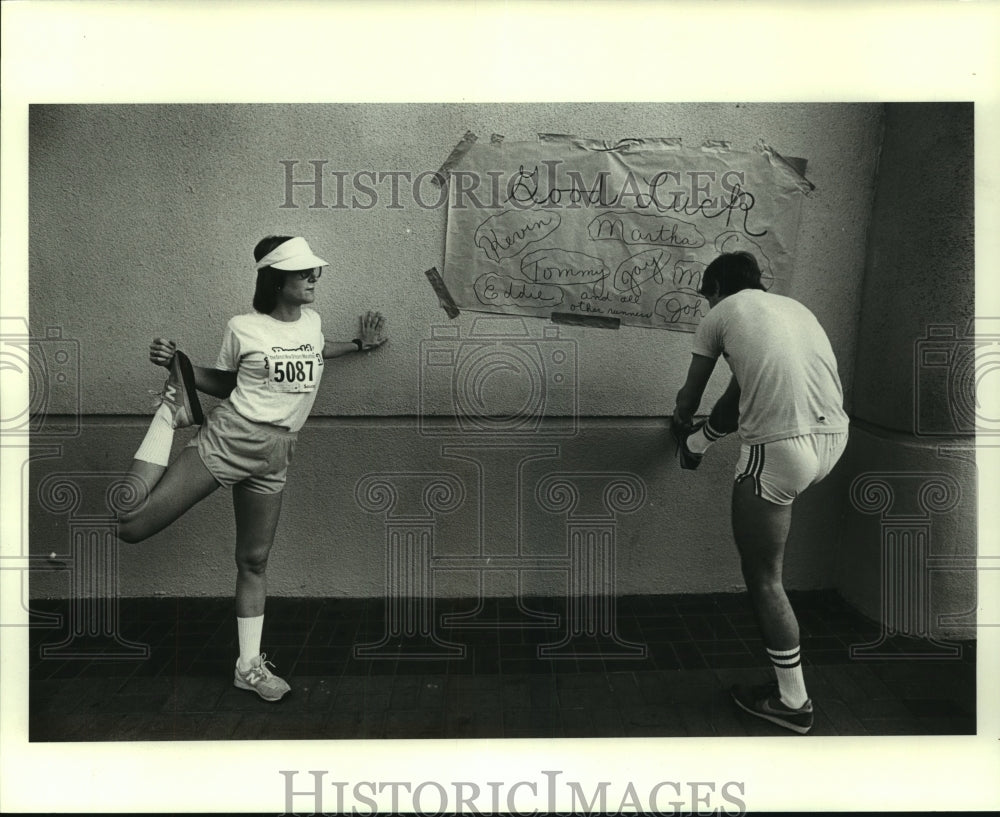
(688,459)
(180,395)
(764,702)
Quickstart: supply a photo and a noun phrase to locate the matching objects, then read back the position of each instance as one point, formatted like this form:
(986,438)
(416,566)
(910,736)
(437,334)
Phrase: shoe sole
(688,460)
(190,391)
(776,719)
(244,685)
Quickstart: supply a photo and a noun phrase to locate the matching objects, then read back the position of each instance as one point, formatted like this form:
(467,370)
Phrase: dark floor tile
(414,723)
(839,714)
(688,656)
(134,704)
(531,667)
(694,604)
(583,691)
(67,669)
(694,720)
(470,720)
(194,695)
(531,722)
(893,726)
(867,709)
(273,725)
(184,726)
(727,660)
(651,720)
(711,627)
(665,633)
(725,646)
(936,708)
(147,685)
(628,664)
(592,723)
(320,669)
(529,692)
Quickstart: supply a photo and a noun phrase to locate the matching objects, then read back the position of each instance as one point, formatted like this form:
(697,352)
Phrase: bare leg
(761,530)
(170,492)
(256,522)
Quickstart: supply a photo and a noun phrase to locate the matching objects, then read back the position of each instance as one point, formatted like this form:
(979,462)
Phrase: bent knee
(132,532)
(255,562)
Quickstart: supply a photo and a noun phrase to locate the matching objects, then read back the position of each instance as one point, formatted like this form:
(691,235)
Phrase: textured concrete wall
(143,219)
(918,293)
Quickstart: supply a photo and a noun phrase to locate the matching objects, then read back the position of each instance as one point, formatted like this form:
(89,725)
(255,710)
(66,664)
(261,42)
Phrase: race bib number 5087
(294,370)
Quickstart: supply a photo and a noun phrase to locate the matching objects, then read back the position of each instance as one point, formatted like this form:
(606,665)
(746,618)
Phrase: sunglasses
(312,274)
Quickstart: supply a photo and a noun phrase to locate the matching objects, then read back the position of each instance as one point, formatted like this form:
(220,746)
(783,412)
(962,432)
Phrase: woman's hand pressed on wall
(372,327)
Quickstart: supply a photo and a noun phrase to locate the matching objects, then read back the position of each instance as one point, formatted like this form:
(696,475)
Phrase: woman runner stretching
(267,374)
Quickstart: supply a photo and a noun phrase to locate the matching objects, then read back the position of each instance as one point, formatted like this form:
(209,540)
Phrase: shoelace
(259,672)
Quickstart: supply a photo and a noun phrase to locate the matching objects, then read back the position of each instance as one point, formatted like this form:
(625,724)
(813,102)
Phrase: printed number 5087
(293,371)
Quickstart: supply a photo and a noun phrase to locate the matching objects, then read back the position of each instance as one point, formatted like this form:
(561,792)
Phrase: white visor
(294,254)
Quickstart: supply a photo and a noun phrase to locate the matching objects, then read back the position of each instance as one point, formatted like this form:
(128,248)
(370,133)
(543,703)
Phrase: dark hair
(731,272)
(269,280)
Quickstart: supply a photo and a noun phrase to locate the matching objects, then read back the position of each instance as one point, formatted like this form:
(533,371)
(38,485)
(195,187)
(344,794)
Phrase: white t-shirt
(783,361)
(278,366)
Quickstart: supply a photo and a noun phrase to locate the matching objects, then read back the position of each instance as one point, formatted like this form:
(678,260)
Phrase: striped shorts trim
(782,469)
(753,467)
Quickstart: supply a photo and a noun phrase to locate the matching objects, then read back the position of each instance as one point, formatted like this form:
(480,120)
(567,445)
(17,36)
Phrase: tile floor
(667,673)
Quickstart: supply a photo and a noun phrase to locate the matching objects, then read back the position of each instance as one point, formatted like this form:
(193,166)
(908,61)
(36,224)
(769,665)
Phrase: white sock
(250,630)
(788,668)
(159,439)
(699,442)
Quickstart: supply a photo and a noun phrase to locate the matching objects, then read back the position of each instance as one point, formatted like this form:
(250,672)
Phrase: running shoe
(688,459)
(180,395)
(764,702)
(258,678)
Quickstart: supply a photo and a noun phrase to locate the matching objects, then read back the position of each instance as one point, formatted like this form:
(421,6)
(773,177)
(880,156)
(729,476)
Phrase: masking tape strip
(441,289)
(441,177)
(597,321)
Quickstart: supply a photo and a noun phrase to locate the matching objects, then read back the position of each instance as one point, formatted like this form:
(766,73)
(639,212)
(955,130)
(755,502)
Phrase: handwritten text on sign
(567,225)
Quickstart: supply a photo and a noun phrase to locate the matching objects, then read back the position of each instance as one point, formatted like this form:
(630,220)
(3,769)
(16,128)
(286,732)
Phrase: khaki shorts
(782,469)
(239,451)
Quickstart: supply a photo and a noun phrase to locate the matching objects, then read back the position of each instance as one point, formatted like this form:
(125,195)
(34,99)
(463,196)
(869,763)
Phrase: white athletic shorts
(237,450)
(782,469)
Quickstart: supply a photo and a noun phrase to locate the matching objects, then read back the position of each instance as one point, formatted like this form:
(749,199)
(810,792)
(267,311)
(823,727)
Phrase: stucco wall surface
(143,219)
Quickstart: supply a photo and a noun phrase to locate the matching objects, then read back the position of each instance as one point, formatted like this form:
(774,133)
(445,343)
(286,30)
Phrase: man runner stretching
(786,400)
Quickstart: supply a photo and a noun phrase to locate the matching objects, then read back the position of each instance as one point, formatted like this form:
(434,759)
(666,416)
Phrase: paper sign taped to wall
(624,231)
